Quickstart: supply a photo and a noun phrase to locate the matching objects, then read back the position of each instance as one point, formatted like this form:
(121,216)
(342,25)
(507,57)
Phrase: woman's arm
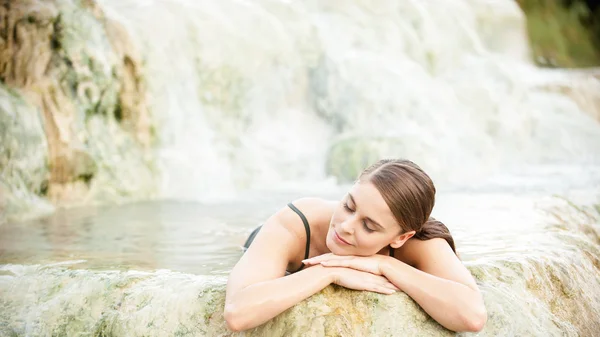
(255,304)
(440,284)
(258,290)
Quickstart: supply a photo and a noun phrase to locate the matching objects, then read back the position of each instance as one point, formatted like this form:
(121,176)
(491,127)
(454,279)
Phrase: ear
(401,239)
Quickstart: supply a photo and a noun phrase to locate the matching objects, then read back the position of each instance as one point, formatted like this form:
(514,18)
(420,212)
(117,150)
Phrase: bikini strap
(307,228)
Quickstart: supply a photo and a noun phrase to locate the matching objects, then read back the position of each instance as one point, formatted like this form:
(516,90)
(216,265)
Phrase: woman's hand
(360,280)
(369,264)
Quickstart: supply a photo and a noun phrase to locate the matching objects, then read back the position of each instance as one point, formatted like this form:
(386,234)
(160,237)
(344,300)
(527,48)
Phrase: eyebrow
(369,219)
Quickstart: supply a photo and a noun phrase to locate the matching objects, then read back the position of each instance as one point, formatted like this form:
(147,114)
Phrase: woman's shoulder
(316,210)
(415,251)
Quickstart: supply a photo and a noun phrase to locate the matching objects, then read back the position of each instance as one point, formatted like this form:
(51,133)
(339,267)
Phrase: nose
(347,225)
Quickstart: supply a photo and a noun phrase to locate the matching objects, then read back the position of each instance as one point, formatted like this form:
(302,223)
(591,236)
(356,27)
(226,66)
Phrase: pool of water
(507,215)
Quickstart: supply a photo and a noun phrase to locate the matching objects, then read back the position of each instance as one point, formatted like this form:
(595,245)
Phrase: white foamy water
(252,93)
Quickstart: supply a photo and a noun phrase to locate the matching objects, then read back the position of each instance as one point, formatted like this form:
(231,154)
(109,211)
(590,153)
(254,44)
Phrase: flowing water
(254,93)
(256,103)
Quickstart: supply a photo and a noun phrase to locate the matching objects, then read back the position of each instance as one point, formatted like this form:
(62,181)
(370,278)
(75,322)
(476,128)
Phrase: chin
(332,246)
(335,249)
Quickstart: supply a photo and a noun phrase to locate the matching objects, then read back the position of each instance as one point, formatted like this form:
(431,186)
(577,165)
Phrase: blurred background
(563,33)
(156,134)
(113,101)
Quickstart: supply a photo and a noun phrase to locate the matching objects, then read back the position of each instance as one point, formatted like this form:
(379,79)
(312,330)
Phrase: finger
(384,282)
(382,290)
(391,286)
(337,263)
(352,264)
(317,259)
(326,257)
(309,262)
(380,282)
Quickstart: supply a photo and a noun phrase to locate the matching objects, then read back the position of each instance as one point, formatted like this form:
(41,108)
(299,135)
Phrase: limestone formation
(73,74)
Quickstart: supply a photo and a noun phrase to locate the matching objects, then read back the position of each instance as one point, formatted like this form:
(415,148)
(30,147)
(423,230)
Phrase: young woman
(378,238)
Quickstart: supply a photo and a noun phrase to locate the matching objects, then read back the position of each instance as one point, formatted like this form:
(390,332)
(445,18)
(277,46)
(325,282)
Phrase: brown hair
(410,194)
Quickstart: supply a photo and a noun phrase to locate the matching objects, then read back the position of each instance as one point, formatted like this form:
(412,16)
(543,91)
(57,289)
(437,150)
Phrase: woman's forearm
(454,305)
(257,303)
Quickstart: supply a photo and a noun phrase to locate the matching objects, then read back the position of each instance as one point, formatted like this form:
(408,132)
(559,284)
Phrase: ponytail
(435,229)
(410,194)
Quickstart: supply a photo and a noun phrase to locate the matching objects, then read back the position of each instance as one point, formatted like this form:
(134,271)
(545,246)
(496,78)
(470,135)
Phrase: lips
(339,238)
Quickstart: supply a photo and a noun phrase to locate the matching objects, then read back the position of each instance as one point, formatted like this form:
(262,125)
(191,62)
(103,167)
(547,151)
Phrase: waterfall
(257,93)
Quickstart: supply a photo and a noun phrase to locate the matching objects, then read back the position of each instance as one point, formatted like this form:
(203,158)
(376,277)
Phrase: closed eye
(364,223)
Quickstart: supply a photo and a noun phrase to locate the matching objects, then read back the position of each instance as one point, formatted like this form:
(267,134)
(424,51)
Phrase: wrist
(396,271)
(385,263)
(330,274)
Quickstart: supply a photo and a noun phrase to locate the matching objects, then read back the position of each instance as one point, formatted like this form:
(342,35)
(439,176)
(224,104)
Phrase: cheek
(338,217)
(370,243)
(362,243)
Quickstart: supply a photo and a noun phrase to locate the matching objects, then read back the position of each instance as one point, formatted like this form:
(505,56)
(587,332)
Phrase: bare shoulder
(417,252)
(280,243)
(317,211)
(316,206)
(435,257)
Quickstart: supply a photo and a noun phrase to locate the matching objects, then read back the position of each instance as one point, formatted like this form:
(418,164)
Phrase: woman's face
(362,224)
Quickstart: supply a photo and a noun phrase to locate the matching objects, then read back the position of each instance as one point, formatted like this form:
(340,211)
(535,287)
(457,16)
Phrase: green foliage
(563,33)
